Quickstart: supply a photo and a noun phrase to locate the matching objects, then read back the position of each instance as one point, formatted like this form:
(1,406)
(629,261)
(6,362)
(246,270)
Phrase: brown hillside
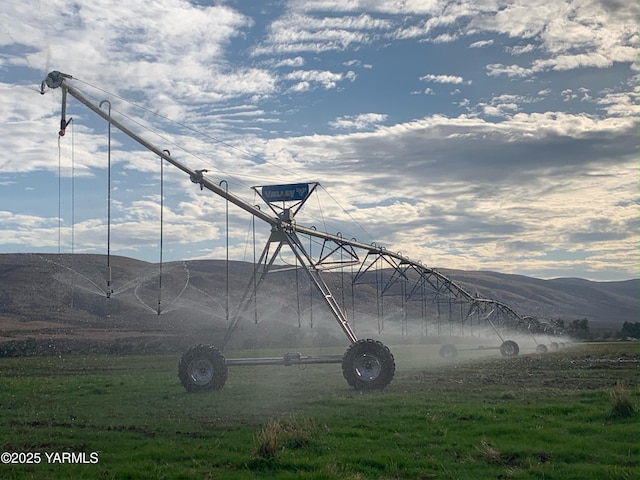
(61,300)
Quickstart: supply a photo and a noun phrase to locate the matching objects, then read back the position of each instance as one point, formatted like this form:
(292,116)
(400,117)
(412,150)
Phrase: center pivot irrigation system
(367,364)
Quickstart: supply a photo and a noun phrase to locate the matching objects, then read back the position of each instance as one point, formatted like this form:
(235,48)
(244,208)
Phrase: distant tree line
(579,329)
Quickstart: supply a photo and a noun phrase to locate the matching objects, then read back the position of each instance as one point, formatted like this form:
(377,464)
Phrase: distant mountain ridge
(607,305)
(65,295)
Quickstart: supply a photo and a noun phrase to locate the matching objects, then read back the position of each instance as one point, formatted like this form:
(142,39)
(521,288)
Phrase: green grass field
(566,415)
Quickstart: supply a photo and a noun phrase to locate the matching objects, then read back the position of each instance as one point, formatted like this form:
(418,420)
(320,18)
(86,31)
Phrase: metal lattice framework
(411,281)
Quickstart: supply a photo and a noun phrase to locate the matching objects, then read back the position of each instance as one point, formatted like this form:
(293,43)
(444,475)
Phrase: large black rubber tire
(541,348)
(368,365)
(202,368)
(448,351)
(509,348)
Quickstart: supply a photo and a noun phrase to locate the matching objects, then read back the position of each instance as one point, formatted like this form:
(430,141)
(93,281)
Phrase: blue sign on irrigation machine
(285,193)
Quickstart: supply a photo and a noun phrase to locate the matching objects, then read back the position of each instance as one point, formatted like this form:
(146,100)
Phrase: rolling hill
(60,302)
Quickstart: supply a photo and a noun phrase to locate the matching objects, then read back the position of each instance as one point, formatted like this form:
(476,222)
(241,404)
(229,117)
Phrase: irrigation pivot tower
(367,364)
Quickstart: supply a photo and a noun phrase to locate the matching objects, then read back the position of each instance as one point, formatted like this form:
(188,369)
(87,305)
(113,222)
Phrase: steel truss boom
(57,79)
(283,227)
(286,231)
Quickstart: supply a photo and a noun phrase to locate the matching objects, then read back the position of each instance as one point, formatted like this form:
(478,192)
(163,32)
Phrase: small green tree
(579,328)
(630,330)
(558,322)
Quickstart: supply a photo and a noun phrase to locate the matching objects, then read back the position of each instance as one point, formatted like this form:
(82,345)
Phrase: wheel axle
(366,365)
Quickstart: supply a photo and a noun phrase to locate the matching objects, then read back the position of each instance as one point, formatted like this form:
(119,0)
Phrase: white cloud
(357,63)
(452,79)
(358,122)
(520,49)
(621,104)
(306,79)
(518,189)
(169,45)
(290,62)
(505,105)
(300,87)
(382,6)
(481,44)
(446,38)
(572,34)
(300,32)
(497,69)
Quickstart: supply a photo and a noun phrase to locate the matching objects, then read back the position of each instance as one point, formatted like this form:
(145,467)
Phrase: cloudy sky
(495,135)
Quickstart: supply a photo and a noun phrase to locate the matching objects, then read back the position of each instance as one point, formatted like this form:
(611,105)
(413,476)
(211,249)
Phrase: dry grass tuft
(622,405)
(489,454)
(278,435)
(267,445)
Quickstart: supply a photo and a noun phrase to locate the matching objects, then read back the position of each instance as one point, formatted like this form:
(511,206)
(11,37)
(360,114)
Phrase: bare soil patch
(582,366)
